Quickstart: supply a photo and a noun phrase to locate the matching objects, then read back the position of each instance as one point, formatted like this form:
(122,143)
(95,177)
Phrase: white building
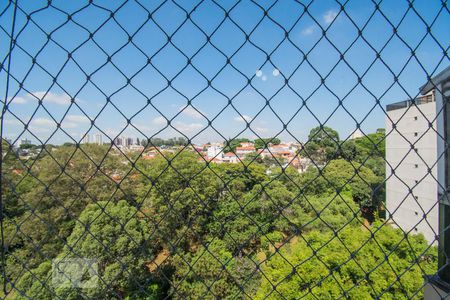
(214,151)
(415,165)
(24,141)
(138,148)
(356,134)
(98,139)
(86,139)
(230,157)
(243,151)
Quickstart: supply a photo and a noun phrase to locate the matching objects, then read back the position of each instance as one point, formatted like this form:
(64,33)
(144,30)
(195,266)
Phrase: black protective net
(232,149)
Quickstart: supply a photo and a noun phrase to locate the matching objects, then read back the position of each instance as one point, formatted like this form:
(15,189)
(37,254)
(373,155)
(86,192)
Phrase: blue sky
(108,79)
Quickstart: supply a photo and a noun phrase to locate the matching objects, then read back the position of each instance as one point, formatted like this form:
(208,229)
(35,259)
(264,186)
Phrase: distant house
(230,157)
(149,155)
(282,149)
(243,151)
(247,144)
(214,151)
(264,153)
(136,148)
(284,154)
(216,160)
(356,134)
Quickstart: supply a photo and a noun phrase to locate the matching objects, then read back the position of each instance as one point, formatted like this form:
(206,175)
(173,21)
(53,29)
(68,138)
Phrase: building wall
(214,152)
(411,170)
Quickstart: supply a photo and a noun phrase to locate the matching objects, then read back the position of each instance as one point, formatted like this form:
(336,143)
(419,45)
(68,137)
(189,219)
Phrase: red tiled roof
(229,154)
(245,148)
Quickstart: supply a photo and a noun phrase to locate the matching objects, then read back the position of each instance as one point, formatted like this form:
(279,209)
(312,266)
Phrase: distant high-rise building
(98,139)
(129,141)
(24,141)
(118,141)
(415,165)
(86,139)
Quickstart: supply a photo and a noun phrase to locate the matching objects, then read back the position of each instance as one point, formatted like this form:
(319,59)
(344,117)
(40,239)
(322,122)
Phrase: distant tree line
(158,142)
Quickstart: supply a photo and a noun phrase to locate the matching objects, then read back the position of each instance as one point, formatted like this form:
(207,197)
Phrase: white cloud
(308,30)
(50,97)
(143,127)
(59,99)
(11,122)
(42,122)
(242,119)
(17,100)
(37,129)
(159,121)
(111,132)
(77,119)
(188,127)
(66,125)
(261,130)
(191,112)
(329,16)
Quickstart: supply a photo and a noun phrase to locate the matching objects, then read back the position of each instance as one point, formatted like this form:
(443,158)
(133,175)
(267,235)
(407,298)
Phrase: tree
(51,195)
(27,146)
(243,221)
(322,145)
(37,283)
(343,265)
(346,178)
(213,273)
(369,150)
(263,143)
(179,193)
(230,146)
(118,237)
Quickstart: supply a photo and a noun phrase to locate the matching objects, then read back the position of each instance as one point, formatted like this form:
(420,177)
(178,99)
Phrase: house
(149,155)
(230,157)
(243,151)
(282,149)
(214,151)
(136,148)
(247,144)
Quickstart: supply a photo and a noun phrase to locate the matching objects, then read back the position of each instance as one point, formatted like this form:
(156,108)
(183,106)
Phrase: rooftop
(442,77)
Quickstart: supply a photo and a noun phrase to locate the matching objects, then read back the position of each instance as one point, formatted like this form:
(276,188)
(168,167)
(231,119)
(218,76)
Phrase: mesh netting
(224,149)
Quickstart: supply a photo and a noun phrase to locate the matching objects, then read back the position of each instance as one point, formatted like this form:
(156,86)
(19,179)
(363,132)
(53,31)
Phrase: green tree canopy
(264,142)
(322,145)
(354,263)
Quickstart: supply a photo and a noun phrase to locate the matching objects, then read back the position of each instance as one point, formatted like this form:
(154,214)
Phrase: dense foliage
(174,225)
(157,142)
